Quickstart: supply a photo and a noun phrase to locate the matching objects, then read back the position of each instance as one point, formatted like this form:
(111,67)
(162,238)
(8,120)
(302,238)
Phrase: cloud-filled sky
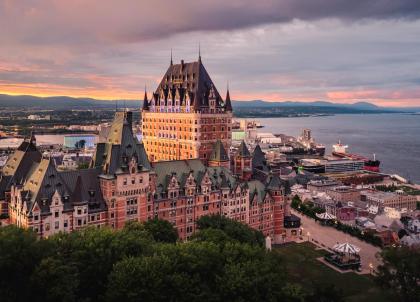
(276,50)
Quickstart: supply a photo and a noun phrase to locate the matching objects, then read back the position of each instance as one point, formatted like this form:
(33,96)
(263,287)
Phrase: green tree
(161,230)
(54,280)
(325,293)
(212,235)
(234,229)
(20,253)
(401,271)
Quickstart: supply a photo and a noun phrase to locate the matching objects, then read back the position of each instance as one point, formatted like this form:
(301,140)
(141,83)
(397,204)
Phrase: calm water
(394,138)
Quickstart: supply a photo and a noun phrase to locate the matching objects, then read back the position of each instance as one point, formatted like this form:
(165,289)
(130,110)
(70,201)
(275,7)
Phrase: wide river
(394,138)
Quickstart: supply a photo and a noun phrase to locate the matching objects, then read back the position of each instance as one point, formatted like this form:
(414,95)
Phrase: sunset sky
(285,50)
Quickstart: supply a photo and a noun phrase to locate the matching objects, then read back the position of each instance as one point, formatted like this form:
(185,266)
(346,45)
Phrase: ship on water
(340,150)
(309,143)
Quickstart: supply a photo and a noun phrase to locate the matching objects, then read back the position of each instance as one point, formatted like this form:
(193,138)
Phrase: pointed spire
(145,100)
(228,104)
(199,52)
(219,152)
(172,62)
(243,150)
(32,138)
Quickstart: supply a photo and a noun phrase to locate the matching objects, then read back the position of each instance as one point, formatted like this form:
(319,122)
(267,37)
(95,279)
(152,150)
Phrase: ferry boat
(340,150)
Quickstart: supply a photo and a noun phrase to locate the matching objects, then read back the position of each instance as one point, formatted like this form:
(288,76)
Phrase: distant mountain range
(359,105)
(66,103)
(61,102)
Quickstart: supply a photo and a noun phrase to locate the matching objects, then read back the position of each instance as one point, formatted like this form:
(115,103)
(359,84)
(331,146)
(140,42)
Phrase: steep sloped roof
(258,159)
(243,150)
(189,78)
(120,148)
(219,152)
(19,164)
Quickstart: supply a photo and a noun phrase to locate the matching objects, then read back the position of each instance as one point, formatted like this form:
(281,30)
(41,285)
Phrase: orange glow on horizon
(111,92)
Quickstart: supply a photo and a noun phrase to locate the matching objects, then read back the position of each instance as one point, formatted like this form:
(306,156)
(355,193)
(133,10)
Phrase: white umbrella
(325,216)
(346,248)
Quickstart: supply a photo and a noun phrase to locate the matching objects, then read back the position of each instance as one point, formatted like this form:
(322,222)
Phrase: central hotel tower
(186,115)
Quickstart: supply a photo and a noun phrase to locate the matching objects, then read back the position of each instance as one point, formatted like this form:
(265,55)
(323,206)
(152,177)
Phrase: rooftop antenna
(171,57)
(199,51)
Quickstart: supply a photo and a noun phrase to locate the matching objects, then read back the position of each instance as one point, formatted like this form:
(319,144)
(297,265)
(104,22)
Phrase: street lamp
(371,267)
(308,234)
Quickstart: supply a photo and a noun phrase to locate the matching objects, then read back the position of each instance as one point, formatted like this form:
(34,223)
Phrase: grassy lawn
(302,266)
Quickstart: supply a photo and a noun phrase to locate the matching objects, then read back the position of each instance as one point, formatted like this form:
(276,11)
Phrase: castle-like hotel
(179,172)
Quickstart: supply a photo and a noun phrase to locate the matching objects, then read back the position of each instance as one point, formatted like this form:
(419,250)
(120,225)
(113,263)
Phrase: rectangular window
(57,225)
(56,214)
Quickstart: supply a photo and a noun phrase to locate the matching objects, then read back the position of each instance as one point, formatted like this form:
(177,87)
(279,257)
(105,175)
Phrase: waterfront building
(79,141)
(344,165)
(185,115)
(317,186)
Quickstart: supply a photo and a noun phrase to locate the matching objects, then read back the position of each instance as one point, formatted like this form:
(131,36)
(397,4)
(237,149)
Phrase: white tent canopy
(346,248)
(325,216)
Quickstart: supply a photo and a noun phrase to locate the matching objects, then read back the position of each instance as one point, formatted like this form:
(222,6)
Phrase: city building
(36,117)
(398,200)
(186,115)
(316,186)
(79,141)
(343,165)
(344,193)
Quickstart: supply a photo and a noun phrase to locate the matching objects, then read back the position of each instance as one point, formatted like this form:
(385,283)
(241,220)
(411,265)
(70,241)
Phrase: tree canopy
(224,261)
(401,271)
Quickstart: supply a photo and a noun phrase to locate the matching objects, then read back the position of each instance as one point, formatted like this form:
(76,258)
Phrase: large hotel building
(185,115)
(180,172)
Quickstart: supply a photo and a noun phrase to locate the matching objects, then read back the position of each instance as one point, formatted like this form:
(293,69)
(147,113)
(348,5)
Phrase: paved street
(330,236)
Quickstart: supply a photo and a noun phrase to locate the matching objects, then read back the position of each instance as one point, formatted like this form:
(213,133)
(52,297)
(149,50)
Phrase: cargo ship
(340,150)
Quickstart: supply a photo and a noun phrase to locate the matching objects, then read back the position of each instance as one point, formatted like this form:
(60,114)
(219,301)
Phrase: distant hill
(66,103)
(60,102)
(358,105)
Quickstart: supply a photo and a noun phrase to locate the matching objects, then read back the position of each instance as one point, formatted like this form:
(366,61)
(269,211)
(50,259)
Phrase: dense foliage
(309,210)
(224,261)
(401,272)
(234,230)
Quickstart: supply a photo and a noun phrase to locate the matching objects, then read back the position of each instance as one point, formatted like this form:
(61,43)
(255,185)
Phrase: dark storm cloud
(50,21)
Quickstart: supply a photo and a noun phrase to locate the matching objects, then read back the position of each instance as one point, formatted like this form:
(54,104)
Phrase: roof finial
(171,58)
(145,100)
(199,51)
(116,105)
